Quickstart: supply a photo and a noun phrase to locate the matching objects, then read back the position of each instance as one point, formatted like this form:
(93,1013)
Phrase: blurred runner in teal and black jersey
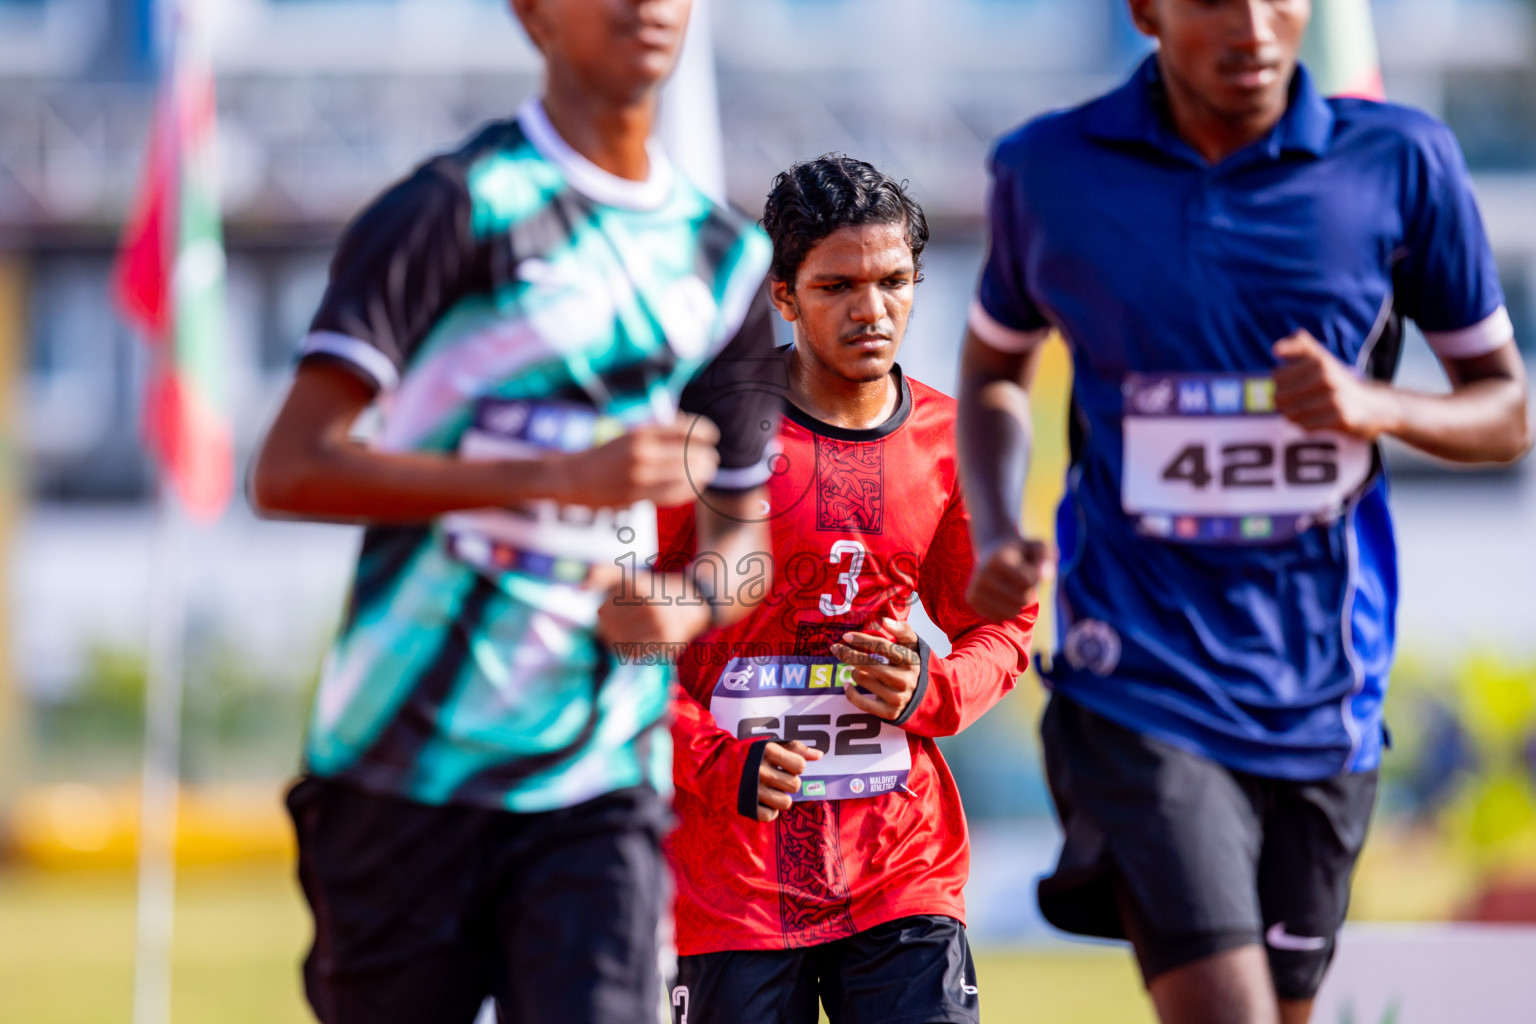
(560,333)
(1228,255)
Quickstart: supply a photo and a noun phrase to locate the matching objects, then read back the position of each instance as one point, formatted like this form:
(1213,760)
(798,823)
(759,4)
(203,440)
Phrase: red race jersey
(863,523)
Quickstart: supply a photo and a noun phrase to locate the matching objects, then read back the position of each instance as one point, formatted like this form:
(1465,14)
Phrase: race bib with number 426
(1208,459)
(801,698)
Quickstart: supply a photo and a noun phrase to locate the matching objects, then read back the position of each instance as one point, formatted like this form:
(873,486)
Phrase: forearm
(735,559)
(309,466)
(350,482)
(1481,421)
(994,437)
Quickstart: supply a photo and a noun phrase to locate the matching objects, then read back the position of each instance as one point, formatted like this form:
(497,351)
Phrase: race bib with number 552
(801,698)
(1208,459)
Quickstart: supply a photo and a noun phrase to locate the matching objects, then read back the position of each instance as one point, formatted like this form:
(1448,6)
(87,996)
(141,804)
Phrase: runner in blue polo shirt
(1229,256)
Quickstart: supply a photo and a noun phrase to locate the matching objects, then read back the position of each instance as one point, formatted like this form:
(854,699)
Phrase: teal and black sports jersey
(508,298)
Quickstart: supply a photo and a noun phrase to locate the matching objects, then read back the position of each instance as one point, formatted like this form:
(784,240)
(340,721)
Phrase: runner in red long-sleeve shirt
(821,846)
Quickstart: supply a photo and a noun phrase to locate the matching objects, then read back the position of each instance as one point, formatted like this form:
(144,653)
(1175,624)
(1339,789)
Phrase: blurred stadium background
(321,103)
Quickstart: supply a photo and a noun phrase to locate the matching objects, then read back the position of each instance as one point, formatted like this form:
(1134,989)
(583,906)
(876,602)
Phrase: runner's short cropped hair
(817,197)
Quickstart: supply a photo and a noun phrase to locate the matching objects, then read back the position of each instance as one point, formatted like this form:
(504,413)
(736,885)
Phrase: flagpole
(689,122)
(160,781)
(1340,49)
(13,736)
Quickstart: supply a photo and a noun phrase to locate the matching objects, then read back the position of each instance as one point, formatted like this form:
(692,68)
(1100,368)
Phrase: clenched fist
(1006,576)
(779,776)
(666,464)
(887,665)
(630,617)
(1315,390)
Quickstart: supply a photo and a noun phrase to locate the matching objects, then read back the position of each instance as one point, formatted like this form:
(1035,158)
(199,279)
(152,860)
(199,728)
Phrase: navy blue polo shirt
(1228,582)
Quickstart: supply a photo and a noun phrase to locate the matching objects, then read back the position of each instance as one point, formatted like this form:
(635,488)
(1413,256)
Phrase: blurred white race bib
(545,538)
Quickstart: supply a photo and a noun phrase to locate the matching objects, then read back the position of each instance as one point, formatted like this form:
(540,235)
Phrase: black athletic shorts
(421,912)
(1187,858)
(914,970)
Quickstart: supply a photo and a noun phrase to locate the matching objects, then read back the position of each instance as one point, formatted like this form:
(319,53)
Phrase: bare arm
(309,466)
(994,438)
(733,527)
(1482,419)
(994,434)
(756,777)
(733,565)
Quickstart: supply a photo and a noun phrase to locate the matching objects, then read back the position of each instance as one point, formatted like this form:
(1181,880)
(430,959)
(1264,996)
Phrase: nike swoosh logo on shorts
(1279,938)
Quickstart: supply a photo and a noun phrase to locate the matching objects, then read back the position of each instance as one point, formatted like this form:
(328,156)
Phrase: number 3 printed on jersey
(850,579)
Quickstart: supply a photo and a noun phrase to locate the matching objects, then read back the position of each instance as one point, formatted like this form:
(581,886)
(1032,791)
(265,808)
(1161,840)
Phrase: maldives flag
(1340,49)
(169,283)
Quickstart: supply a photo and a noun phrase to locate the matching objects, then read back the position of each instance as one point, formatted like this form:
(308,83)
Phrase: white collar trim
(588,178)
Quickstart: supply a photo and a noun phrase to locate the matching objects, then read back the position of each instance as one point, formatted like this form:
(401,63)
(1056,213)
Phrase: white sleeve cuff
(743,479)
(360,354)
(748,477)
(1489,334)
(999,336)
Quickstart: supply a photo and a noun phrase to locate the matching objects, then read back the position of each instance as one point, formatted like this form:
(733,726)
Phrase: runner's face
(619,48)
(1235,56)
(852,297)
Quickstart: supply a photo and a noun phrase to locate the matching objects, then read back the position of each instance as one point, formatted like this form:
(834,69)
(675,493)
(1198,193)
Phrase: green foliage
(105,706)
(237,719)
(1464,754)
(1348,1014)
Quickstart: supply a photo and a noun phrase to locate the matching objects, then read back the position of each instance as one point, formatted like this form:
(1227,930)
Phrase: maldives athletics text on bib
(1207,459)
(561,543)
(801,698)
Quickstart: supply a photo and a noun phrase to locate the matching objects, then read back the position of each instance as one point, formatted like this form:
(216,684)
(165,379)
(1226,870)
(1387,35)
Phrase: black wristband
(746,792)
(924,653)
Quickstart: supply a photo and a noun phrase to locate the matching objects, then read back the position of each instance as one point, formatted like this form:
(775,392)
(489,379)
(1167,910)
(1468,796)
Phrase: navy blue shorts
(422,912)
(1187,858)
(914,970)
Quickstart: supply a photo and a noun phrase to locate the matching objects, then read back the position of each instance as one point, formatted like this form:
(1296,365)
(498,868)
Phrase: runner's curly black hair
(817,197)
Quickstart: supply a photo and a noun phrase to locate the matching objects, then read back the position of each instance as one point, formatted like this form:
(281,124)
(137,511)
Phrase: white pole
(162,769)
(689,122)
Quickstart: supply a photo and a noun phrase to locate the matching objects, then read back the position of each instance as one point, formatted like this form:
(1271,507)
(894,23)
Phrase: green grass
(66,947)
(1098,986)
(66,956)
